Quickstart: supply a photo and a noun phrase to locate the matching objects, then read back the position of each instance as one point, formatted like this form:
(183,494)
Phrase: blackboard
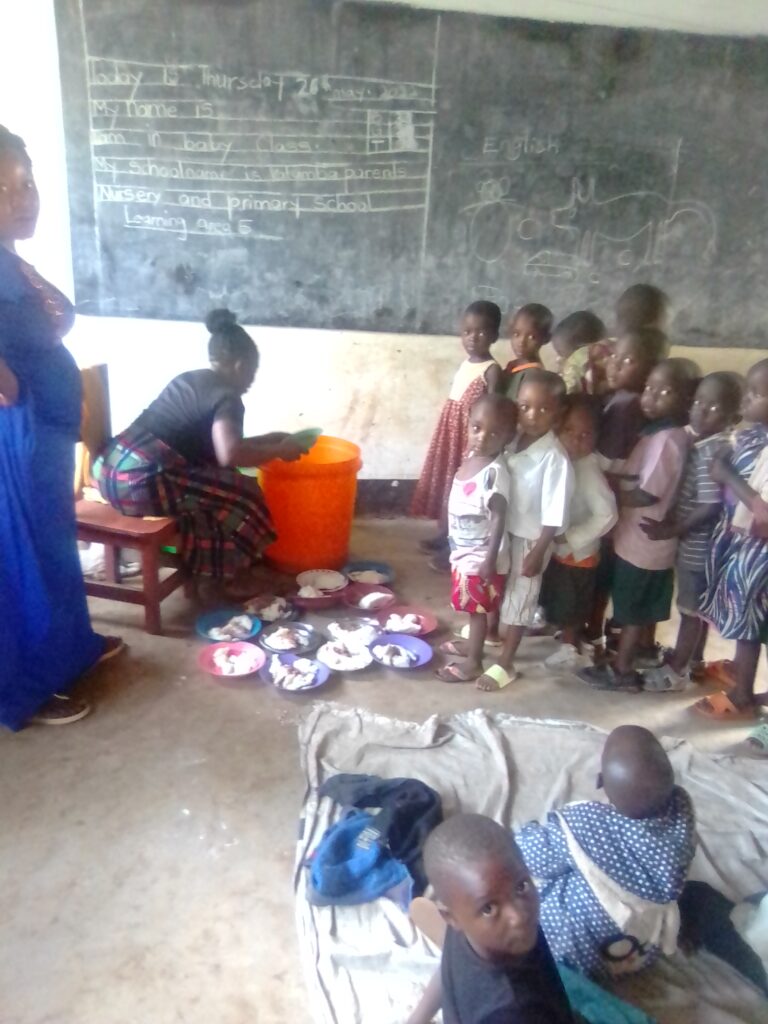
(376,167)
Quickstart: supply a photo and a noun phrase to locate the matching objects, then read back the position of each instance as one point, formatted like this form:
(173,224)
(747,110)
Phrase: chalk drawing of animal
(637,222)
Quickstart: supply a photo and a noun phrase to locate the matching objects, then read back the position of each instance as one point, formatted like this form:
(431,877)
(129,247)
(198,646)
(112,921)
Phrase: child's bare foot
(460,671)
(496,678)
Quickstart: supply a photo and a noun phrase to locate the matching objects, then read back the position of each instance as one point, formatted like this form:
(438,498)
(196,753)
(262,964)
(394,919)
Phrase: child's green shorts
(641,596)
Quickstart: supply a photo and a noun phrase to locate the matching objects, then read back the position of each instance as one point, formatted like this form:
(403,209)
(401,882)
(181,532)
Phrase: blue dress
(46,639)
(736,600)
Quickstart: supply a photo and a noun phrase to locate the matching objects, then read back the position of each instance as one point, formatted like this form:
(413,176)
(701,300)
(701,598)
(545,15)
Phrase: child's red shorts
(474,594)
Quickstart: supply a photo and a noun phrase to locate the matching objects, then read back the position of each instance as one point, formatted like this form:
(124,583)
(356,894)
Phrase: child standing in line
(542,483)
(699,504)
(633,355)
(569,580)
(643,578)
(477,375)
(631,360)
(477,516)
(641,305)
(496,965)
(572,340)
(529,330)
(736,601)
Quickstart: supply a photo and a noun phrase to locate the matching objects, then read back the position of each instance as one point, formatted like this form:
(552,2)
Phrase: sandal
(61,710)
(664,679)
(720,672)
(499,676)
(720,708)
(605,677)
(453,674)
(113,645)
(757,741)
(451,648)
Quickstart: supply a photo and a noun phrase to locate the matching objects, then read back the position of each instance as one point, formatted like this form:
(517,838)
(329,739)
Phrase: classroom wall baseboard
(384,497)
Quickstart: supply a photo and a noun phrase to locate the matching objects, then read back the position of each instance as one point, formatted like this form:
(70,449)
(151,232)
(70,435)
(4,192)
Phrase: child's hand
(533,564)
(487,569)
(759,509)
(720,466)
(655,530)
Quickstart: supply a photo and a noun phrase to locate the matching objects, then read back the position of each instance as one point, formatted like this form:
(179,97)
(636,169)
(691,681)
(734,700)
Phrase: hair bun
(220,320)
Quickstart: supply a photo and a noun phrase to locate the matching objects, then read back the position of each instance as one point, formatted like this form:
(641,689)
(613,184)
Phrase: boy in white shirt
(569,581)
(542,483)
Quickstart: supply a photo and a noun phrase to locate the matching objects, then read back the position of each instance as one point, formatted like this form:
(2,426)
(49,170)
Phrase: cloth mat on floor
(368,965)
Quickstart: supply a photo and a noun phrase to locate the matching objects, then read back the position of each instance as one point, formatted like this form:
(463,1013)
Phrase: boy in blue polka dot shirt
(610,874)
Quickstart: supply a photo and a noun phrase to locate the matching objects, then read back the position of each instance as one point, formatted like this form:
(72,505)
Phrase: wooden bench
(101,524)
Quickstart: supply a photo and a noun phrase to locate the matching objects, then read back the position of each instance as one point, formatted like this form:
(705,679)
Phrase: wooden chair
(99,523)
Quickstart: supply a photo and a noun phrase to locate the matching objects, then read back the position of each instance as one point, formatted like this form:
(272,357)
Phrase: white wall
(381,391)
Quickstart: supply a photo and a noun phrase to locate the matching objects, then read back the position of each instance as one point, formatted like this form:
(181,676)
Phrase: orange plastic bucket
(312,502)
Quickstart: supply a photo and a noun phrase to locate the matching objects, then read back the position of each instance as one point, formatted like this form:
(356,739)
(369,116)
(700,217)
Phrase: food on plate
(298,676)
(269,609)
(394,655)
(368,576)
(286,638)
(324,580)
(354,632)
(409,624)
(340,656)
(237,628)
(310,592)
(232,662)
(375,599)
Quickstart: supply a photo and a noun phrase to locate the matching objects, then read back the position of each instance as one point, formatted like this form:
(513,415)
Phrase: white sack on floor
(367,965)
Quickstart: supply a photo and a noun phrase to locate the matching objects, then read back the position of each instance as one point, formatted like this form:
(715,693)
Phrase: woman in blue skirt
(46,639)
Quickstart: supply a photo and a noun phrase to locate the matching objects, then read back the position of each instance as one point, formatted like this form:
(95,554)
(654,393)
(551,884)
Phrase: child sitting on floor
(572,340)
(736,600)
(477,375)
(609,875)
(714,411)
(529,329)
(541,487)
(569,579)
(643,578)
(477,516)
(496,965)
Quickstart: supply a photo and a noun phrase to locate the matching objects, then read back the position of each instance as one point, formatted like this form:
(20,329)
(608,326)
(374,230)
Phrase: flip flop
(61,709)
(720,708)
(757,741)
(113,645)
(452,674)
(449,647)
(464,634)
(501,676)
(720,672)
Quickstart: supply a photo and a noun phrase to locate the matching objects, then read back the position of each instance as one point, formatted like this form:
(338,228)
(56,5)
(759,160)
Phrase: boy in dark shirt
(496,966)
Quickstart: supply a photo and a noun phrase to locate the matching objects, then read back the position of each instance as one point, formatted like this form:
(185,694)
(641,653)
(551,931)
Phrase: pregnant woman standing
(46,639)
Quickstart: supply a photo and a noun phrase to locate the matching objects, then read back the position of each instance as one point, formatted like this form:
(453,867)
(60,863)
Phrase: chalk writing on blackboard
(189,149)
(592,231)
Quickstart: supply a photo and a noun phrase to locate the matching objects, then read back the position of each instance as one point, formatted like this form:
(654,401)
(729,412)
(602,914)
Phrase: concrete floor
(146,853)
